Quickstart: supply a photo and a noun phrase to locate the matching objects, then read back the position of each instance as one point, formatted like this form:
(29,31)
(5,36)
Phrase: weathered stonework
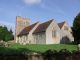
(21,23)
(44,33)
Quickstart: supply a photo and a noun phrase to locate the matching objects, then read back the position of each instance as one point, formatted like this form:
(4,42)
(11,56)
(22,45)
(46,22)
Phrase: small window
(54,34)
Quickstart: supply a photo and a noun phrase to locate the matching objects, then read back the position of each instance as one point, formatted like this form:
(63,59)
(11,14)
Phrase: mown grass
(17,48)
(43,48)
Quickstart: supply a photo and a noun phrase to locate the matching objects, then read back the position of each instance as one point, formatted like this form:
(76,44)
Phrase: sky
(38,10)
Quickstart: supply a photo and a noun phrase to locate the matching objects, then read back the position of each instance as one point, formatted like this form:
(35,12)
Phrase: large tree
(76,29)
(5,34)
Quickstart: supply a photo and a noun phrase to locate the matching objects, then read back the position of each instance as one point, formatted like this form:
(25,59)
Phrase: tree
(76,29)
(5,34)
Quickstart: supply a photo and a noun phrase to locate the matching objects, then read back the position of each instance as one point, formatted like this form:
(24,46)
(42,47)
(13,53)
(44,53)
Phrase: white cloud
(32,2)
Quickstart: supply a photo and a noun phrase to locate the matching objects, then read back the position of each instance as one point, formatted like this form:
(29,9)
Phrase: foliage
(5,34)
(76,29)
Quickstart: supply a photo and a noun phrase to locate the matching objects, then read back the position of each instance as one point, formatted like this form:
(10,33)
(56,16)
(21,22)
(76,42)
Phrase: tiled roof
(42,27)
(61,24)
(26,30)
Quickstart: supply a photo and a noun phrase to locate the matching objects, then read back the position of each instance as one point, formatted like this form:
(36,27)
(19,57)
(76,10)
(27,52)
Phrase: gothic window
(53,33)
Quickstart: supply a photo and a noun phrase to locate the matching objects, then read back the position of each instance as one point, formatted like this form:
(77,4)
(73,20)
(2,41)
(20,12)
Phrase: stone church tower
(21,23)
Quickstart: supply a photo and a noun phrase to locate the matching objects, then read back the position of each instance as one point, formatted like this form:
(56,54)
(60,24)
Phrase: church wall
(56,36)
(49,34)
(31,39)
(67,34)
(52,35)
(22,39)
(30,35)
(66,27)
(40,38)
(21,23)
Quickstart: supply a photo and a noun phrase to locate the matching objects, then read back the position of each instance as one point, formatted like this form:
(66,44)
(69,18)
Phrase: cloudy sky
(38,10)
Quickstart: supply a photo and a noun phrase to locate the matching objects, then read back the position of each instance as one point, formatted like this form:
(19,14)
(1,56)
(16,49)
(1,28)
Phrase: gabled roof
(42,27)
(27,29)
(61,24)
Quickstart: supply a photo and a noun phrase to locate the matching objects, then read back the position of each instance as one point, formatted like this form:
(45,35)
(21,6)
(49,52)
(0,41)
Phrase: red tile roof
(26,30)
(42,27)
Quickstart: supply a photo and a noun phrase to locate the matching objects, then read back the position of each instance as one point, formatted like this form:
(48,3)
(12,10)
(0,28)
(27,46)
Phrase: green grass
(36,48)
(43,48)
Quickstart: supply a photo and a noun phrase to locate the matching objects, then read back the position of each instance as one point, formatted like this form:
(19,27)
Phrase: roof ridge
(43,26)
(32,24)
(61,24)
(48,21)
(27,29)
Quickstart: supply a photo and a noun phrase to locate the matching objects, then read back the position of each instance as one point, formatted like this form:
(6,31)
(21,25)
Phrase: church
(49,32)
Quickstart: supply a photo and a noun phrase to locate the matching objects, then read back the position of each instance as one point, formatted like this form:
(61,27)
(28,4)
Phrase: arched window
(55,33)
(64,40)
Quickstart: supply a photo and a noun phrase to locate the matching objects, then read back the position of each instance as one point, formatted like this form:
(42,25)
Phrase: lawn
(36,48)
(43,48)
